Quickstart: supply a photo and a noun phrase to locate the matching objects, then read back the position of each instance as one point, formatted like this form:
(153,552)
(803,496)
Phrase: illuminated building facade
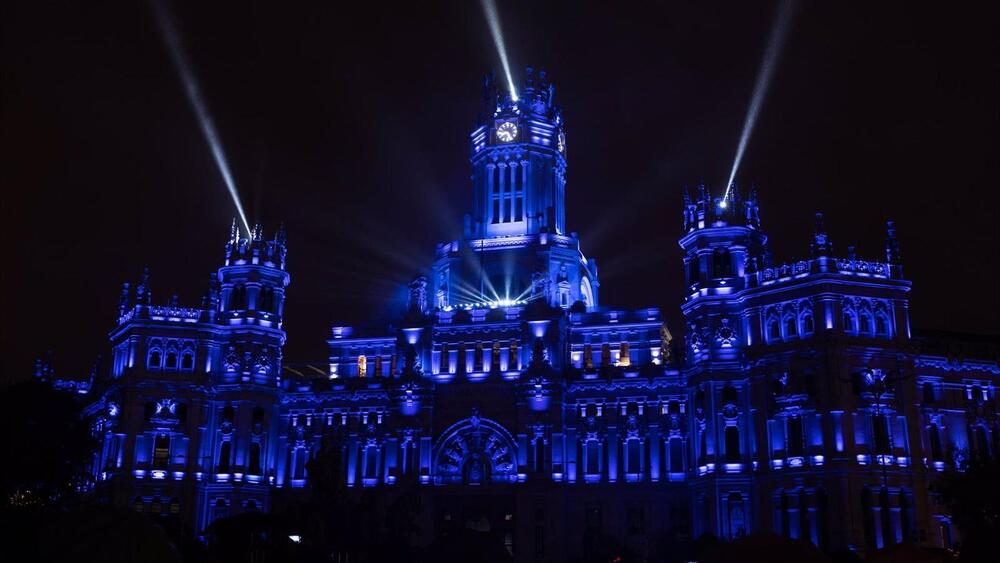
(507,397)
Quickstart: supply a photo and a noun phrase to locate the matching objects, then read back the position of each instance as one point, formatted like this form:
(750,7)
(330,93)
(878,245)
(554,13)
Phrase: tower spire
(821,245)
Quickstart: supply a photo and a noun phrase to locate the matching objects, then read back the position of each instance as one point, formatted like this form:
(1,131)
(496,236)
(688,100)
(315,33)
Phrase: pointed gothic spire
(892,254)
(143,295)
(821,245)
(123,300)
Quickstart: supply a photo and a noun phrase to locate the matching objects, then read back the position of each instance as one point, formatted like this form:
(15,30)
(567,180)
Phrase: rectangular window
(496,210)
(634,448)
(519,207)
(593,458)
(676,455)
(161,451)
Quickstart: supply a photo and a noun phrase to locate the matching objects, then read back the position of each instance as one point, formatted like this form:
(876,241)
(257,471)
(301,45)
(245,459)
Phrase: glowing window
(588,357)
(624,355)
(362,366)
(495,357)
(161,451)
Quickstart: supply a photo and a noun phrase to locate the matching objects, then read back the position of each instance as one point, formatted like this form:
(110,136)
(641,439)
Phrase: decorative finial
(892,254)
(234,234)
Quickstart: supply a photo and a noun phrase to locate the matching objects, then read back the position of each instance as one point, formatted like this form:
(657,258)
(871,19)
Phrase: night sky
(350,122)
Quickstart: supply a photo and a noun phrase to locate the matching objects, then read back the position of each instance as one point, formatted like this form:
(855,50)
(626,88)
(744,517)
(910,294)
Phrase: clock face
(561,142)
(506,132)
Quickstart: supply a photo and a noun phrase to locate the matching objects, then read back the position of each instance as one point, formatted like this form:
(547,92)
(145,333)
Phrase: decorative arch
(587,293)
(473,451)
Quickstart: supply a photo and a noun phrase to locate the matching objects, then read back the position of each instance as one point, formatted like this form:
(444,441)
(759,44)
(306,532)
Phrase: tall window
(676,455)
(934,434)
(732,444)
(795,438)
(866,323)
(225,455)
(371,462)
(850,325)
(881,325)
(633,458)
(538,455)
(624,355)
(362,366)
(254,461)
(773,330)
(808,327)
(880,426)
(378,366)
(588,357)
(155,361)
(477,357)
(495,357)
(605,355)
(187,360)
(300,464)
(790,327)
(512,359)
(592,457)
(161,451)
(445,359)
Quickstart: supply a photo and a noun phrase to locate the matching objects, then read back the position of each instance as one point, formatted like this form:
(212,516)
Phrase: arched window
(791,328)
(850,323)
(732,444)
(171,362)
(808,327)
(187,360)
(155,360)
(362,366)
(225,455)
(866,323)
(881,325)
(773,330)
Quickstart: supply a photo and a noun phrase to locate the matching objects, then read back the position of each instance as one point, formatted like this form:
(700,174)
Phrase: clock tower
(519,161)
(515,246)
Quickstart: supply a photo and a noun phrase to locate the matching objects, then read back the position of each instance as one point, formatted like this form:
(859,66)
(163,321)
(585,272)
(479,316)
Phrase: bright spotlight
(193,92)
(767,65)
(493,19)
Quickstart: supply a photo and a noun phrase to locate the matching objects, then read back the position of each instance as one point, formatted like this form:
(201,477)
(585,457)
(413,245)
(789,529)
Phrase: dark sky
(349,121)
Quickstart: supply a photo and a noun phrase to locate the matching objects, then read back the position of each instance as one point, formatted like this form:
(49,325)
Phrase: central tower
(515,247)
(519,162)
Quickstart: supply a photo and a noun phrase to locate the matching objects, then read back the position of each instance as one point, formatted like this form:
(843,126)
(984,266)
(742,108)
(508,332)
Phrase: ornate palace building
(509,397)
